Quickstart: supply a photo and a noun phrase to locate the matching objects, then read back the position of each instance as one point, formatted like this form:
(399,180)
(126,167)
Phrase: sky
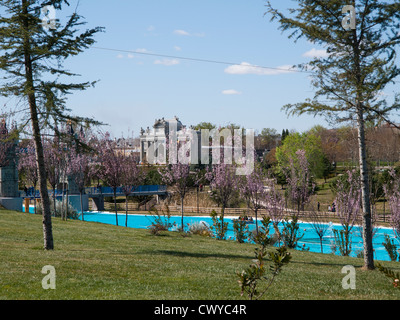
(136,86)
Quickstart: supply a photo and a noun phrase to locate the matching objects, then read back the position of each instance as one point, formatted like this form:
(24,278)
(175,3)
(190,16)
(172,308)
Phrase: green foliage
(219,226)
(285,133)
(343,241)
(290,233)
(25,44)
(153,176)
(262,236)
(250,278)
(391,248)
(205,125)
(241,229)
(160,221)
(60,209)
(308,142)
(395,276)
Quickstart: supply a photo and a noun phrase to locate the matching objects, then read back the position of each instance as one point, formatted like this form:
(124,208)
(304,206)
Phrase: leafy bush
(72,213)
(391,248)
(290,232)
(161,221)
(200,228)
(262,237)
(241,229)
(395,276)
(219,226)
(249,278)
(343,241)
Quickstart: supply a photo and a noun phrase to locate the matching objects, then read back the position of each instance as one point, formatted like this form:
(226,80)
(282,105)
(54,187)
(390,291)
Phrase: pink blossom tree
(52,161)
(178,176)
(110,170)
(223,182)
(300,185)
(79,168)
(392,193)
(275,205)
(132,177)
(27,165)
(348,208)
(251,188)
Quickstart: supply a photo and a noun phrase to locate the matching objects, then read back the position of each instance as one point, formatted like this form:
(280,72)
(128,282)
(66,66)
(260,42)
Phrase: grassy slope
(95,261)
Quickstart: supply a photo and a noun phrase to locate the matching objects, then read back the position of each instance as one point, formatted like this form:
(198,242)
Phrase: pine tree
(360,63)
(284,135)
(31,58)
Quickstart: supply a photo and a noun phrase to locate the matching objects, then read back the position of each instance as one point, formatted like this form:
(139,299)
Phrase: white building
(154,142)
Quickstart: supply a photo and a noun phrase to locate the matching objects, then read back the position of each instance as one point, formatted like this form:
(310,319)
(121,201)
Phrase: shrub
(161,221)
(395,276)
(200,228)
(219,226)
(290,232)
(391,248)
(241,229)
(249,278)
(343,241)
(72,213)
(262,236)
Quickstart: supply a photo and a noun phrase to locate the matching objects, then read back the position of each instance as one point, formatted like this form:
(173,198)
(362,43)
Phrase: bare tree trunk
(126,210)
(182,212)
(83,216)
(366,205)
(54,200)
(66,203)
(30,89)
(365,200)
(115,205)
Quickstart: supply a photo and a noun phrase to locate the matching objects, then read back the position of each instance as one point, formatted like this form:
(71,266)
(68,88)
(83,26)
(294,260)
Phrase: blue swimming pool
(309,241)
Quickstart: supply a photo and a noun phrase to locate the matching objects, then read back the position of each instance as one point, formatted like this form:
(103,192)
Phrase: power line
(205,60)
(200,60)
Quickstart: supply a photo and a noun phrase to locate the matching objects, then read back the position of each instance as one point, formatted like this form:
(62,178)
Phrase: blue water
(309,241)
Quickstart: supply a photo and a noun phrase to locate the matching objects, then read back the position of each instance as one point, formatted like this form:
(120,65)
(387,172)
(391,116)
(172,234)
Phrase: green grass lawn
(96,261)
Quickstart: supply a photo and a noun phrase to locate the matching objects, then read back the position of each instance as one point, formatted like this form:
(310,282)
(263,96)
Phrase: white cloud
(315,53)
(181,33)
(151,28)
(230,92)
(142,50)
(177,48)
(131,56)
(120,56)
(247,68)
(167,62)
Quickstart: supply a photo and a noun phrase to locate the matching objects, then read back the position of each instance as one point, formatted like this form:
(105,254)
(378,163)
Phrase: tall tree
(31,59)
(359,64)
(306,141)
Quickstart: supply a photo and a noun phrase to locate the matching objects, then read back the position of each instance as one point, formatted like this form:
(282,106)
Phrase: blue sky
(135,89)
